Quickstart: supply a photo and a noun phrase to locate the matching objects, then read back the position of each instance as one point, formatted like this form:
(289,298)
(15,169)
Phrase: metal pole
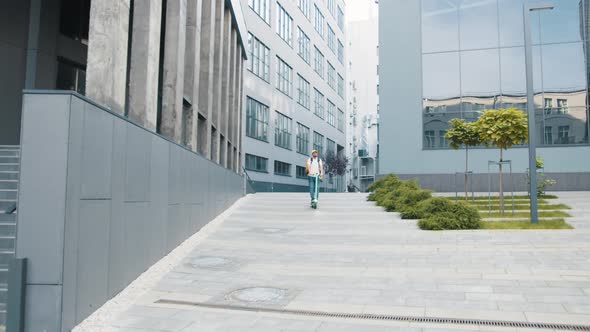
(531,114)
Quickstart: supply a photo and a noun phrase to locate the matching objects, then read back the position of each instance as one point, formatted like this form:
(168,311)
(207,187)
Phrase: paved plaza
(271,252)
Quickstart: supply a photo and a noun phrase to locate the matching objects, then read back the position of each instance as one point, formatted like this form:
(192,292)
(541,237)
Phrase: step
(9,160)
(8,194)
(6,257)
(8,218)
(5,205)
(8,229)
(7,243)
(8,184)
(8,175)
(4,274)
(9,167)
(6,153)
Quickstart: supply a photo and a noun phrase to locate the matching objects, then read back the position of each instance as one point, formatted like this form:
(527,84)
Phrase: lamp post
(528,8)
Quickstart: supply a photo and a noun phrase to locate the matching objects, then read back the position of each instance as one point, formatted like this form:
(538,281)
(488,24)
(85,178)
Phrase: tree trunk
(466,170)
(501,188)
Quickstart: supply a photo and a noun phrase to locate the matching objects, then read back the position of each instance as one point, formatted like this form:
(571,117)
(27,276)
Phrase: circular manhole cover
(209,261)
(258,294)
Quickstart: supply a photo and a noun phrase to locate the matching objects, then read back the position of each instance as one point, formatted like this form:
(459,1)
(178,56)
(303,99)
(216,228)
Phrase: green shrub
(459,216)
(383,182)
(435,205)
(467,216)
(409,198)
(411,213)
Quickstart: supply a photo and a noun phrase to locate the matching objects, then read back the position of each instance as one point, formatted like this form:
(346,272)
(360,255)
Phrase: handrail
(248,179)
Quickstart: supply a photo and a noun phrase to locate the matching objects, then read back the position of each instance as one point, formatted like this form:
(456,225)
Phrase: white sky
(360,10)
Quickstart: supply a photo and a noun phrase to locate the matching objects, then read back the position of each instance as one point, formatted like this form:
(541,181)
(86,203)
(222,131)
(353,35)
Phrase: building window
(300,172)
(318,102)
(302,139)
(340,120)
(548,133)
(304,44)
(304,7)
(319,21)
(284,77)
(303,92)
(262,8)
(331,76)
(563,135)
(442,140)
(341,52)
(429,139)
(332,7)
(331,39)
(562,106)
(70,76)
(330,146)
(75,18)
(256,163)
(331,114)
(548,105)
(259,63)
(318,143)
(340,18)
(256,120)
(340,86)
(282,168)
(318,64)
(283,126)
(284,25)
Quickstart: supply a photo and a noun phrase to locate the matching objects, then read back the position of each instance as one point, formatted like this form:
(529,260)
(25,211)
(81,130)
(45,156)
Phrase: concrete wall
(401,150)
(101,200)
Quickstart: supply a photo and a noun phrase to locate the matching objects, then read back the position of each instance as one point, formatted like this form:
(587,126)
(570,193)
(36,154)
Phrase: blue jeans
(312,181)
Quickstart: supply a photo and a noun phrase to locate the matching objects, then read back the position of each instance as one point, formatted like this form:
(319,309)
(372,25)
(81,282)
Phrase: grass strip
(526,224)
(508,214)
(484,207)
(506,197)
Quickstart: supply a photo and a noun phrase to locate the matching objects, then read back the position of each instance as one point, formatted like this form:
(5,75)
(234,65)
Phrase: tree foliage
(462,133)
(335,163)
(503,128)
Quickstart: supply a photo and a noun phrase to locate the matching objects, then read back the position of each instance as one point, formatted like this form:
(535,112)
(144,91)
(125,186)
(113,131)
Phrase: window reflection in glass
(562,23)
(440,25)
(441,82)
(478,23)
(566,128)
(480,77)
(564,73)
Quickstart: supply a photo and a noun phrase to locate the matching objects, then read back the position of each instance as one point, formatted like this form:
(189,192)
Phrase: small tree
(503,128)
(335,163)
(466,134)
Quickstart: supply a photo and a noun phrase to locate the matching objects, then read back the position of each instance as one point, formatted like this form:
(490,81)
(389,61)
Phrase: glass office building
(473,59)
(467,56)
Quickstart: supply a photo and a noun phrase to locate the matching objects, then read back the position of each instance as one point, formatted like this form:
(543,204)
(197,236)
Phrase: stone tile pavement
(272,251)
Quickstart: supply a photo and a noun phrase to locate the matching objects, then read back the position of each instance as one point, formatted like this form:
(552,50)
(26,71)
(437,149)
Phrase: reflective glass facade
(473,59)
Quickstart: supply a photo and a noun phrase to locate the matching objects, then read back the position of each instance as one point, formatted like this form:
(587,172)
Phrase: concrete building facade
(294,89)
(172,66)
(363,94)
(447,59)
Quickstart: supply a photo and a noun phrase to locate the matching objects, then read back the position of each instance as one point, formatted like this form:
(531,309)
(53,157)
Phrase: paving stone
(350,257)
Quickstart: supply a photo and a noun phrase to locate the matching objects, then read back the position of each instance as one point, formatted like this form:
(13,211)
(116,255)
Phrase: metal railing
(248,182)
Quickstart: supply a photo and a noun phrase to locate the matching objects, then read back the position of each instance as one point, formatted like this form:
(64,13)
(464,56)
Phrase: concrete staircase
(9,174)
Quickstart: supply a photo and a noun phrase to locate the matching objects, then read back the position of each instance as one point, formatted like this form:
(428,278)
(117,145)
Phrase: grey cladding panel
(43,308)
(97,153)
(137,166)
(42,191)
(93,256)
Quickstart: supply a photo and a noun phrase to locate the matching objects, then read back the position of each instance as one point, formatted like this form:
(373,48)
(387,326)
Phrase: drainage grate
(413,319)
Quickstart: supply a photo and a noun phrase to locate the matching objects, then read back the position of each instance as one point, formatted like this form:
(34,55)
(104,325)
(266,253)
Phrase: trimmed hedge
(413,202)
